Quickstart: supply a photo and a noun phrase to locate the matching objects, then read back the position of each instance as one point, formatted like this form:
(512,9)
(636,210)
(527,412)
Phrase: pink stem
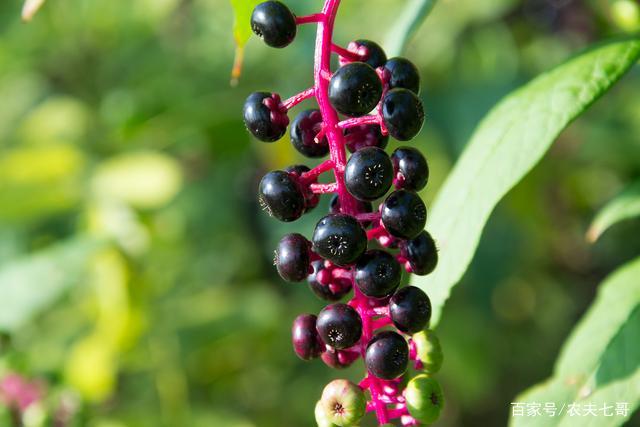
(296,99)
(323,188)
(347,54)
(309,19)
(381,322)
(368,216)
(314,173)
(358,121)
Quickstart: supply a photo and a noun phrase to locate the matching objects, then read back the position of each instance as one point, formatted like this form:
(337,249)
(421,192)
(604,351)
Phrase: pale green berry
(343,403)
(429,350)
(321,416)
(424,398)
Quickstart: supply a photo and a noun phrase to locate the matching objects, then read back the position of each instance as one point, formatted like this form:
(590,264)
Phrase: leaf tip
(30,8)
(238,60)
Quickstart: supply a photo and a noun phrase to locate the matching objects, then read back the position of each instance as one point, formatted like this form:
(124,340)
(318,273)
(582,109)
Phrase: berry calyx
(265,123)
(292,257)
(274,23)
(343,403)
(281,196)
(403,74)
(338,359)
(404,214)
(378,274)
(373,55)
(339,238)
(355,89)
(402,113)
(304,336)
(387,355)
(333,290)
(311,199)
(339,325)
(411,171)
(304,129)
(368,174)
(421,253)
(358,137)
(410,309)
(424,398)
(428,350)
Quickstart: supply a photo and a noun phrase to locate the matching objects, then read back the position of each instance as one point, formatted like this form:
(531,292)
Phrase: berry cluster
(355,246)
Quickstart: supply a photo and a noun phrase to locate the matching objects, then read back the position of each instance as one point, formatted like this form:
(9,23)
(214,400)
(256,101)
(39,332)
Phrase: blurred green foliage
(127,194)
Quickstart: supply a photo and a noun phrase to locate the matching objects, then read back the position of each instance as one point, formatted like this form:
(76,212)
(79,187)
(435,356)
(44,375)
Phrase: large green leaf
(407,23)
(507,144)
(625,205)
(31,283)
(600,362)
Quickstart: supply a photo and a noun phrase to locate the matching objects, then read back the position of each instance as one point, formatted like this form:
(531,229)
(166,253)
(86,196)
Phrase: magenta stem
(368,216)
(323,188)
(309,19)
(298,98)
(359,121)
(346,54)
(314,173)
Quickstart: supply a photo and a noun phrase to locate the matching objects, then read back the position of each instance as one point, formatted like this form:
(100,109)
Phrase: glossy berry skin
(339,238)
(292,257)
(274,23)
(281,196)
(387,355)
(410,309)
(404,214)
(421,253)
(410,168)
(358,137)
(355,89)
(403,74)
(304,336)
(368,174)
(375,54)
(304,129)
(402,113)
(339,325)
(311,199)
(338,359)
(258,120)
(333,291)
(378,274)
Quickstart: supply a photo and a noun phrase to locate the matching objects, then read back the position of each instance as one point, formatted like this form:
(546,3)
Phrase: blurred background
(136,282)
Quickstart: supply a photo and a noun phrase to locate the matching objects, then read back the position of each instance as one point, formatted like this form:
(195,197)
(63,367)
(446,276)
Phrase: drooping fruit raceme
(374,228)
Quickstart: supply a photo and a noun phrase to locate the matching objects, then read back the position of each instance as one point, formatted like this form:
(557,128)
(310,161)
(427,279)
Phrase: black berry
(402,113)
(387,355)
(410,309)
(281,196)
(421,253)
(311,199)
(339,325)
(304,129)
(259,119)
(331,291)
(411,171)
(404,214)
(339,238)
(355,89)
(375,55)
(358,137)
(304,336)
(368,174)
(378,274)
(292,257)
(274,23)
(403,74)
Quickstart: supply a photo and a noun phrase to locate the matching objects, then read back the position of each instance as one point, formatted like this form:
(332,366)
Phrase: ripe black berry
(339,238)
(403,74)
(259,121)
(274,23)
(387,355)
(421,253)
(339,325)
(304,129)
(362,136)
(333,291)
(304,336)
(404,214)
(355,89)
(311,199)
(402,113)
(410,309)
(375,54)
(378,274)
(411,171)
(281,196)
(292,257)
(368,174)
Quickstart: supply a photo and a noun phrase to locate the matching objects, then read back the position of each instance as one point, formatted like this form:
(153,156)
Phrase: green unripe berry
(343,403)
(321,416)
(429,350)
(424,398)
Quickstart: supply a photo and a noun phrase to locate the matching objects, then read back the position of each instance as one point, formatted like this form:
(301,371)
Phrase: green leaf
(413,14)
(242,10)
(600,362)
(30,284)
(625,205)
(507,144)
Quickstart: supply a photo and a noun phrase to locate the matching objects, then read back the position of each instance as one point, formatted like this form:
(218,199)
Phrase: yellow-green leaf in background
(624,206)
(56,120)
(242,10)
